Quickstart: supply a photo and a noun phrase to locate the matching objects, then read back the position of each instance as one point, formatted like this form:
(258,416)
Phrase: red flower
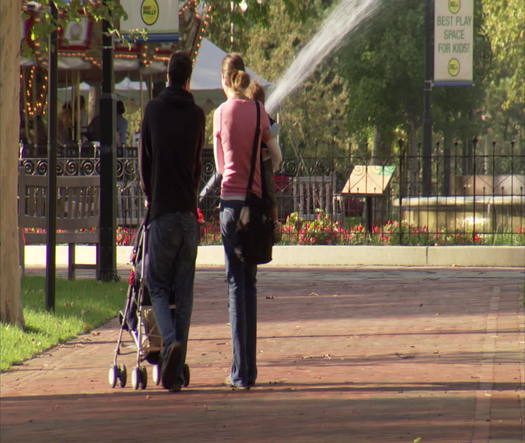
(200,216)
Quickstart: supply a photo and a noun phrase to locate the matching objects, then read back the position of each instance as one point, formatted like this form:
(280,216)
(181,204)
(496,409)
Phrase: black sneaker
(171,367)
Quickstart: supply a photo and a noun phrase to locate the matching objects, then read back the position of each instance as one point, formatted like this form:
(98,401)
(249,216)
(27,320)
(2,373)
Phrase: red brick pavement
(345,355)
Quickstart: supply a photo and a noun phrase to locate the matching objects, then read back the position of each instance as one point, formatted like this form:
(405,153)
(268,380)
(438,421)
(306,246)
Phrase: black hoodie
(170,155)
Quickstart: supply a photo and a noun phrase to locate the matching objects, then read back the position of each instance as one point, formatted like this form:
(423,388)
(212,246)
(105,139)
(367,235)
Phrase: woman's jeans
(170,271)
(242,300)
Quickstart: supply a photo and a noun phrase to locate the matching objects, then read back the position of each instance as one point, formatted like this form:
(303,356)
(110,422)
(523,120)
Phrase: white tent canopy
(206,79)
(205,82)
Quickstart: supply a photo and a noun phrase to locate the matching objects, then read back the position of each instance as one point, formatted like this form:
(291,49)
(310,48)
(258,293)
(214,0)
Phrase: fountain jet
(346,18)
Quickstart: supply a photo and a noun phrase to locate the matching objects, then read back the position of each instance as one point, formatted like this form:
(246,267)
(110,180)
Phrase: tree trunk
(10,287)
(381,155)
(382,149)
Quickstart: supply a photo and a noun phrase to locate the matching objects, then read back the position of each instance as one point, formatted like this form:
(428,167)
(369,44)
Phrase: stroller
(139,320)
(138,317)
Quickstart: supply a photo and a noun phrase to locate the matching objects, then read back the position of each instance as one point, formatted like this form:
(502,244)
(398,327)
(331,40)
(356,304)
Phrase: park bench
(77,214)
(130,204)
(311,193)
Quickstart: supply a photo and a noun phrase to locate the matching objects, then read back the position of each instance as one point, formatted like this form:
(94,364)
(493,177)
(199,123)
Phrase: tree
(503,24)
(312,117)
(10,303)
(384,68)
(10,25)
(230,20)
(383,65)
(504,112)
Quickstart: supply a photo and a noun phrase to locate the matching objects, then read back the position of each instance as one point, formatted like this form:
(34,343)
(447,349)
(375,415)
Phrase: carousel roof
(80,50)
(79,61)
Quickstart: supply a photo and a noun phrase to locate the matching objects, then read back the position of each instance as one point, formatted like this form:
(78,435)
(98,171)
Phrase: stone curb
(297,256)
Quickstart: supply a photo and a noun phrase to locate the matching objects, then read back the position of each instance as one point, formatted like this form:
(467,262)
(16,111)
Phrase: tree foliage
(67,10)
(504,28)
(312,118)
(504,24)
(384,66)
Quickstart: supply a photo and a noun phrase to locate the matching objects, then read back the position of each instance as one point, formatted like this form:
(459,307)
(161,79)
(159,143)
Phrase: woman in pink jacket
(234,127)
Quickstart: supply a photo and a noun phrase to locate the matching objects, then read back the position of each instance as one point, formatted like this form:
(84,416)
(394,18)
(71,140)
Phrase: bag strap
(254,150)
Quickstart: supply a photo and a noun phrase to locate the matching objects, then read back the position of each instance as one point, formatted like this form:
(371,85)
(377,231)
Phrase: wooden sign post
(368,181)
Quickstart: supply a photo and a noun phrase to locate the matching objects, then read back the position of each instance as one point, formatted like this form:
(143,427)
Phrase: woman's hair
(233,71)
(256,92)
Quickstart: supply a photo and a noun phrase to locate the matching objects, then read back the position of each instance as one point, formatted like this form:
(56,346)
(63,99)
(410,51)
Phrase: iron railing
(477,195)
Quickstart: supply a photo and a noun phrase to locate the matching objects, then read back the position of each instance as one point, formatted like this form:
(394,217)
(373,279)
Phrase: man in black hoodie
(170,161)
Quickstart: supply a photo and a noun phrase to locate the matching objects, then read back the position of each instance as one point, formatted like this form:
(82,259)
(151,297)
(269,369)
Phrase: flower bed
(324,231)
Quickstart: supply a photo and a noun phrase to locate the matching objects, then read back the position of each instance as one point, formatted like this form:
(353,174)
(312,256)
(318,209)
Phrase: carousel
(139,73)
(140,66)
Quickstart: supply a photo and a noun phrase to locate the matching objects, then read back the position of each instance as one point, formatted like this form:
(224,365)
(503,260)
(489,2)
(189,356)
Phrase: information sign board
(453,42)
(160,18)
(369,179)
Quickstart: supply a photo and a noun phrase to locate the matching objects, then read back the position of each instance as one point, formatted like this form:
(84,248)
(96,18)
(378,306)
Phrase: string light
(146,55)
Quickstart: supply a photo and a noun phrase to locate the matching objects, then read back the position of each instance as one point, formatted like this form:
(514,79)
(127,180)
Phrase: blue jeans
(170,271)
(242,299)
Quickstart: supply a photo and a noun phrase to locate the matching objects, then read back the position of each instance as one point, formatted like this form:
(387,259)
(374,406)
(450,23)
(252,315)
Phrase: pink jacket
(234,131)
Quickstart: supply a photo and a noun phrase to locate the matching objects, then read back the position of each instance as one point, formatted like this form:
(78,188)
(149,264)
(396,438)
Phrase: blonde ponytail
(234,72)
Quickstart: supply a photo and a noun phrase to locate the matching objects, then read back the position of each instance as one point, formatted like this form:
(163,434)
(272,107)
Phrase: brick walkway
(345,355)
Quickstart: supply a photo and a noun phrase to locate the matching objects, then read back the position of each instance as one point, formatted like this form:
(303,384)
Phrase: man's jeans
(170,272)
(242,299)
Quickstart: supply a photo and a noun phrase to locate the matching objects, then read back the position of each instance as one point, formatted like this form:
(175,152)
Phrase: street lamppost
(107,256)
(52,162)
(427,91)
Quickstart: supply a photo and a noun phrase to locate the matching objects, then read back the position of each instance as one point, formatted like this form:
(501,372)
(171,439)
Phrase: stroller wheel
(122,375)
(186,373)
(155,374)
(143,377)
(136,375)
(112,376)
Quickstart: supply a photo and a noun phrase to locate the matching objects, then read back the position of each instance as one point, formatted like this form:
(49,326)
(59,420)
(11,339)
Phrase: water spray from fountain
(345,19)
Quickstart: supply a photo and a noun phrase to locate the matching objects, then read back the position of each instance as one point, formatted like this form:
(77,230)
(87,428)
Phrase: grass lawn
(80,306)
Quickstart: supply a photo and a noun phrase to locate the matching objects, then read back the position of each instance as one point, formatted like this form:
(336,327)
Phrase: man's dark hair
(179,68)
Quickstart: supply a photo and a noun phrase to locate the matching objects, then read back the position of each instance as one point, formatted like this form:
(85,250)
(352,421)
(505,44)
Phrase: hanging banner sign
(76,35)
(160,18)
(453,42)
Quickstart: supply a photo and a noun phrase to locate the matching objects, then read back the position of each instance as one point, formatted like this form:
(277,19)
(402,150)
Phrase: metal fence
(476,196)
(85,160)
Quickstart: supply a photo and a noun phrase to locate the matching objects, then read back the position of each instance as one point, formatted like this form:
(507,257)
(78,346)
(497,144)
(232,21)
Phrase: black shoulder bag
(255,226)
